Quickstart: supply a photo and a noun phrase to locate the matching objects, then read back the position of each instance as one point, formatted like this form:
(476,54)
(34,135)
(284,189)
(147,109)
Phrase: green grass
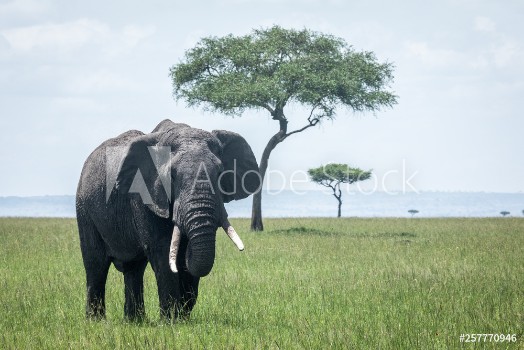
(303,283)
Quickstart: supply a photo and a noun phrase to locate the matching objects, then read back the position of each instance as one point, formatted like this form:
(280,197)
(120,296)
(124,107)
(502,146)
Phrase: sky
(75,73)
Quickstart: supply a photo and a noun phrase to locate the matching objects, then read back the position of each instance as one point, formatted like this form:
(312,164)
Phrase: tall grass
(303,283)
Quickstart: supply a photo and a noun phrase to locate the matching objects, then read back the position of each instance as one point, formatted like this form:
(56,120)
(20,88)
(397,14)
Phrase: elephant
(159,198)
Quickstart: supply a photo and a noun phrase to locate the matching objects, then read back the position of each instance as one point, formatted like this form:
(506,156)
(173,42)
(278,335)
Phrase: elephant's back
(100,167)
(121,140)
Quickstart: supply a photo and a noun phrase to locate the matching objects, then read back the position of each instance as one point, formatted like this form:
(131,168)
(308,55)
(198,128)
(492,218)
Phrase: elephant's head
(190,183)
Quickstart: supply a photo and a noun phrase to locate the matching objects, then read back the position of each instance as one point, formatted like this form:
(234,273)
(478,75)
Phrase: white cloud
(484,24)
(4,45)
(479,62)
(100,82)
(133,34)
(22,7)
(508,52)
(432,56)
(503,52)
(75,34)
(57,36)
(69,105)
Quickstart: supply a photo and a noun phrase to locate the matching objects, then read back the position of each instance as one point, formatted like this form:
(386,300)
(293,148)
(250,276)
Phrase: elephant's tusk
(234,237)
(173,250)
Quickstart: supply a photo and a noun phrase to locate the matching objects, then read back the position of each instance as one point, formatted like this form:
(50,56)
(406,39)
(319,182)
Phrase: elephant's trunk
(200,222)
(200,254)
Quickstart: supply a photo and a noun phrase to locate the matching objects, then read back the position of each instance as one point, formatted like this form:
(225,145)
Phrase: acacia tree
(333,175)
(272,68)
(413,212)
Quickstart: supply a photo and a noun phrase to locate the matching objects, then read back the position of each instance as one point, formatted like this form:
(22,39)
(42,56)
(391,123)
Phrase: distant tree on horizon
(504,213)
(413,212)
(333,175)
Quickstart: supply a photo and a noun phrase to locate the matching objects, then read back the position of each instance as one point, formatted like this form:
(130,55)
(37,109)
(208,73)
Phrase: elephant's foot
(95,310)
(136,318)
(136,314)
(175,312)
(184,315)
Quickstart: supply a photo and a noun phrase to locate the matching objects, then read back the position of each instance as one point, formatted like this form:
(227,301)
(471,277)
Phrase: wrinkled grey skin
(128,233)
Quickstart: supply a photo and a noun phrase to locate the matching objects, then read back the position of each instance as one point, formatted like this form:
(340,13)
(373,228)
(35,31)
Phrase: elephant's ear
(241,176)
(145,172)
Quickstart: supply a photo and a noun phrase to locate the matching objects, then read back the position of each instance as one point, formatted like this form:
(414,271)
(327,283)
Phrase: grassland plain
(304,283)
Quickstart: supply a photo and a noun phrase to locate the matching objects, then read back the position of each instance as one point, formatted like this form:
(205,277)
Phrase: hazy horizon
(317,204)
(275,192)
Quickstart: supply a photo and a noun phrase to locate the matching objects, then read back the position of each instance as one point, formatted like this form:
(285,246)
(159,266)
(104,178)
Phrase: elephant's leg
(96,289)
(167,282)
(189,292)
(96,264)
(134,290)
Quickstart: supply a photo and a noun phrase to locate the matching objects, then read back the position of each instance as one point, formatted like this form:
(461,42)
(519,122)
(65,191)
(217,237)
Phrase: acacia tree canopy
(333,173)
(272,67)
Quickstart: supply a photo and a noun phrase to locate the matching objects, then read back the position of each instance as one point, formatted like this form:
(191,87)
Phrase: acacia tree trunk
(256,213)
(281,135)
(338,196)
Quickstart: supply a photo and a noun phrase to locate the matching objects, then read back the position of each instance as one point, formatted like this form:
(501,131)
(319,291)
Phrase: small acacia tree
(504,213)
(413,212)
(333,175)
(271,68)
